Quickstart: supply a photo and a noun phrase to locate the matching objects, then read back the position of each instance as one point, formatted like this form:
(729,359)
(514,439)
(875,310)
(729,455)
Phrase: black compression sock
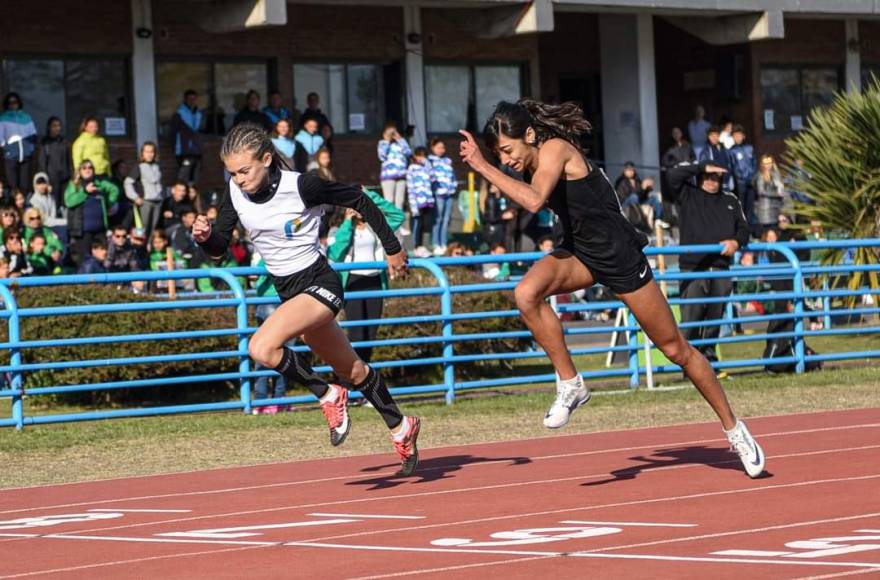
(376,392)
(296,369)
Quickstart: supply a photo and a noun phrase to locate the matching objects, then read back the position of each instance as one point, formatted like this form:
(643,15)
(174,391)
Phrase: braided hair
(564,121)
(248,137)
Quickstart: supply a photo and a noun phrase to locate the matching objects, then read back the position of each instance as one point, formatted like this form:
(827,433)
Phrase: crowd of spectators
(68,207)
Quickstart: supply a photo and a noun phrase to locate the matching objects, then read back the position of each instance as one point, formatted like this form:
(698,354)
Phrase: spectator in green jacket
(355,242)
(42,264)
(87,198)
(53,249)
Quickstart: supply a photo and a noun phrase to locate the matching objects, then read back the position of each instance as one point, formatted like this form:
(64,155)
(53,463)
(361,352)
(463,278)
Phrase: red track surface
(655,503)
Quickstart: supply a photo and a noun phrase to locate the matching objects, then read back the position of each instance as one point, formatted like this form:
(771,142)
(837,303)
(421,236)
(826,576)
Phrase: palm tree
(836,162)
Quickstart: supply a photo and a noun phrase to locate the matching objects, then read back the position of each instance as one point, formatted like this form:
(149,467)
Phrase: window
(71,90)
(353,96)
(789,94)
(221,86)
(463,96)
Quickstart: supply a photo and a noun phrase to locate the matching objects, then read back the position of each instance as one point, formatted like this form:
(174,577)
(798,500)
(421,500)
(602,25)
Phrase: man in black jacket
(708,215)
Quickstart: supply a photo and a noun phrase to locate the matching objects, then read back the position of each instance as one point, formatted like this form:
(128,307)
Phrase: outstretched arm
(552,156)
(315,191)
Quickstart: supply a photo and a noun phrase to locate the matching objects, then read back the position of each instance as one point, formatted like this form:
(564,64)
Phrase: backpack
(784,347)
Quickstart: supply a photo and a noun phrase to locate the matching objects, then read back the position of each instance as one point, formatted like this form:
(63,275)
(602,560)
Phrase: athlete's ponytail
(248,137)
(563,121)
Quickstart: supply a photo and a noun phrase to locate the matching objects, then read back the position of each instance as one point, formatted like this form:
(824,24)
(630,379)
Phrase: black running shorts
(634,272)
(319,281)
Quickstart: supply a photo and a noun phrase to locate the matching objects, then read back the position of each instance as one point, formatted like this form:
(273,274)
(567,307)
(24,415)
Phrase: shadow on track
(432,469)
(714,457)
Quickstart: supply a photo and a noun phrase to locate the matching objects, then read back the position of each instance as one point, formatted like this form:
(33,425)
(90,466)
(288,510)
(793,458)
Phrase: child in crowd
(444,184)
(42,264)
(159,258)
(497,272)
(94,262)
(421,198)
(545,244)
(310,140)
(393,153)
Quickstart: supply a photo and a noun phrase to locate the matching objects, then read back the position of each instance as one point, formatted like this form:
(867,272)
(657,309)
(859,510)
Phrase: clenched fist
(201,229)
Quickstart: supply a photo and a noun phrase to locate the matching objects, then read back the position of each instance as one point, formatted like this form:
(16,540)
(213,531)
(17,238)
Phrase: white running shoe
(750,453)
(568,398)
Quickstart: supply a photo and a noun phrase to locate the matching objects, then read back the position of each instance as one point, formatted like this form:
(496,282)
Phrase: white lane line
(601,506)
(241,532)
(367,516)
(437,550)
(838,575)
(500,486)
(159,540)
(751,553)
(804,414)
(19,535)
(634,524)
(131,561)
(437,468)
(451,568)
(140,511)
(740,532)
(873,565)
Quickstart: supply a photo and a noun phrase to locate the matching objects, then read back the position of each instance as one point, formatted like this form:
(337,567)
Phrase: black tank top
(593,225)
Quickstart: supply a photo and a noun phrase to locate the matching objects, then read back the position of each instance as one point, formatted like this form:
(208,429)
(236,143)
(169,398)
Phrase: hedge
(124,323)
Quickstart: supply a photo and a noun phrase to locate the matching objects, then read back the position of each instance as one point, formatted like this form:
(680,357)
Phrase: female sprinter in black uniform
(281,211)
(599,246)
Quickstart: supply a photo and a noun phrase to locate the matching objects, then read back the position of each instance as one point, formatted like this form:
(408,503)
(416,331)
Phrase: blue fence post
(826,303)
(241,316)
(798,283)
(447,331)
(633,350)
(14,355)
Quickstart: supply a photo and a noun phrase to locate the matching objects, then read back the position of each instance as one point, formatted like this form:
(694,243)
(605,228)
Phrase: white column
(629,94)
(647,93)
(143,72)
(853,57)
(416,113)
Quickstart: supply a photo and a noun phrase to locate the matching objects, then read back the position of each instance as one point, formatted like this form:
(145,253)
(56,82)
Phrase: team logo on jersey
(292,227)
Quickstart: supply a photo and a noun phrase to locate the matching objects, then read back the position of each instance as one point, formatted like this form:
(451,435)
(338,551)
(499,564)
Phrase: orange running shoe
(407,448)
(336,413)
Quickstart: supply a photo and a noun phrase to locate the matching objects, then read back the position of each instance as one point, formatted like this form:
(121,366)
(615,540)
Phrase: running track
(668,502)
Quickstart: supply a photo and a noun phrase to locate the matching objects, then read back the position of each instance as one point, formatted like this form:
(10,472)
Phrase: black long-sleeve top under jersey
(705,218)
(314,192)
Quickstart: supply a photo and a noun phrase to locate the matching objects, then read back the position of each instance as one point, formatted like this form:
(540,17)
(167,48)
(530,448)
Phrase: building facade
(638,67)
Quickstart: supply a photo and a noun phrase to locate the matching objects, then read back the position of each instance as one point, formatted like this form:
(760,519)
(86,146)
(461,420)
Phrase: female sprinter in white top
(281,211)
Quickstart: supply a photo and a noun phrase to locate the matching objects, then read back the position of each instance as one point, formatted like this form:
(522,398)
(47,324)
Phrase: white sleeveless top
(283,230)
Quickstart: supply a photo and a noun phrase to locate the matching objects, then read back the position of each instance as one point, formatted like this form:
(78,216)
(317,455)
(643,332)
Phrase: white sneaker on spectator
(421,252)
(439,250)
(663,224)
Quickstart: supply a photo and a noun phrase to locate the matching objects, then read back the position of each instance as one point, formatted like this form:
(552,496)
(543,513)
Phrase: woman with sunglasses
(13,251)
(87,199)
(18,138)
(598,245)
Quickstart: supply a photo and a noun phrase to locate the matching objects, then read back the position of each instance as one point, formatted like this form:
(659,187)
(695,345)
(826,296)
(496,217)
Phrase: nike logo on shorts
(645,271)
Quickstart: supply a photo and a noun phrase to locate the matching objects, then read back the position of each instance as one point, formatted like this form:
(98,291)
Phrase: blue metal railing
(238,298)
